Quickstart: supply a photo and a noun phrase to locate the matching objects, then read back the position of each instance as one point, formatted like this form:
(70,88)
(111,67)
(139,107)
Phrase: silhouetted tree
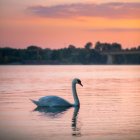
(71,55)
(71,47)
(32,47)
(107,47)
(116,47)
(88,45)
(98,46)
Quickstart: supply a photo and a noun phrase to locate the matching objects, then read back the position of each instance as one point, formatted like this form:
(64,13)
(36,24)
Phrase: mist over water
(109,103)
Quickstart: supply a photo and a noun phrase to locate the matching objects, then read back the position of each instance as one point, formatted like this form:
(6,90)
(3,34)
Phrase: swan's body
(54,101)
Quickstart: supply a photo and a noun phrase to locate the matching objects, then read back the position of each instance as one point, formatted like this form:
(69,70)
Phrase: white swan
(54,101)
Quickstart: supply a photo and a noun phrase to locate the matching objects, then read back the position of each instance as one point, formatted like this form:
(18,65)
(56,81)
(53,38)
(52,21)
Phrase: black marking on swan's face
(79,82)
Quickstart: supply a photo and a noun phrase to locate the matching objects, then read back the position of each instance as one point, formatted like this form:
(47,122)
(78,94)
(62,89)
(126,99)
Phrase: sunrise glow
(58,23)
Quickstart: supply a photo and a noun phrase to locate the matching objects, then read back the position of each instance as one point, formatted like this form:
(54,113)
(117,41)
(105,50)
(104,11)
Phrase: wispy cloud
(115,30)
(106,10)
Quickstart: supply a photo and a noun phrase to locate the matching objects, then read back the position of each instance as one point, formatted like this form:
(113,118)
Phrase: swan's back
(52,101)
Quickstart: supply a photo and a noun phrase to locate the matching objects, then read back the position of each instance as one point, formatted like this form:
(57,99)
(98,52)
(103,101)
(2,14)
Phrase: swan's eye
(78,81)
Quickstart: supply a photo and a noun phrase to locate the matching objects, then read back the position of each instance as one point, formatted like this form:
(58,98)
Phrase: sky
(59,23)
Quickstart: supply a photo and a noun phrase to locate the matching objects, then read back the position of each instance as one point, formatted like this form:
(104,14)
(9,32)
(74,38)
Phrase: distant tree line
(70,55)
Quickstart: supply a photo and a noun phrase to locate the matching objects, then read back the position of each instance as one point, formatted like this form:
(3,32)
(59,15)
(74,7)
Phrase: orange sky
(57,24)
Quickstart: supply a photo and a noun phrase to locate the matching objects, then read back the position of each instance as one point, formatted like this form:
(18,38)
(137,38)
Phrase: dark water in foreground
(110,103)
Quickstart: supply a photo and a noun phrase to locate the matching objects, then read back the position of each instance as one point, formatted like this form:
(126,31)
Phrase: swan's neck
(76,100)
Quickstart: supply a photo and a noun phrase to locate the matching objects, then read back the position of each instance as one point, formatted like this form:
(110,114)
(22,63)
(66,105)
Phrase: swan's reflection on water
(55,112)
(52,112)
(75,124)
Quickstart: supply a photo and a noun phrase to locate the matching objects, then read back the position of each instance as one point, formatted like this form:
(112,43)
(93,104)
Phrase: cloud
(106,10)
(115,30)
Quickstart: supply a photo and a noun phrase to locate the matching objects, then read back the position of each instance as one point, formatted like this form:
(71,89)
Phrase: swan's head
(77,81)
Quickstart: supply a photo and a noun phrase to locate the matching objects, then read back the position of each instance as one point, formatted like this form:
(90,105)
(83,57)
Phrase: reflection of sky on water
(109,109)
(56,112)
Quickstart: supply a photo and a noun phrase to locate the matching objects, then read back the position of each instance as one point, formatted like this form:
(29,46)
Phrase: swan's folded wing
(53,101)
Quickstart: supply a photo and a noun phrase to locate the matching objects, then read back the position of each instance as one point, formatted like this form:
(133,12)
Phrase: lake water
(109,103)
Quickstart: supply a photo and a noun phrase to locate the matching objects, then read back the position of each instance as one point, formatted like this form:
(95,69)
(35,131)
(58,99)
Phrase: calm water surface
(110,103)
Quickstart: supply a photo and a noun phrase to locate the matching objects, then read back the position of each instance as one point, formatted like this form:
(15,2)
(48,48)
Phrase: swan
(55,101)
